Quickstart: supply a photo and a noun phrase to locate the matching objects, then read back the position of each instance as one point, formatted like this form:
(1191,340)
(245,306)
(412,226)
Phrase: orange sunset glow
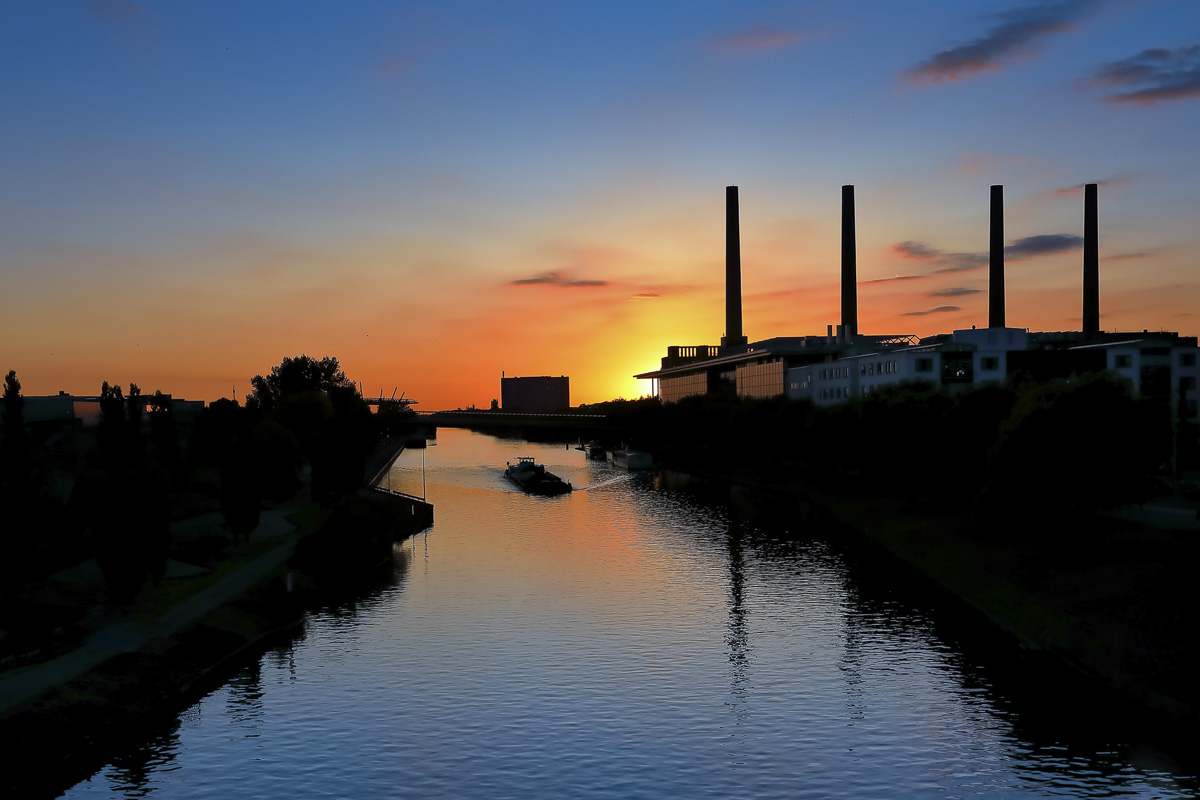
(431,240)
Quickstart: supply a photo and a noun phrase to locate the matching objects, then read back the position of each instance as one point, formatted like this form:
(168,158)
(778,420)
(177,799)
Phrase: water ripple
(625,642)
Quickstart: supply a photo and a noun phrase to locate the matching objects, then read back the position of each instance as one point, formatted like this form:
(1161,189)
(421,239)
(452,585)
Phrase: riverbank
(137,665)
(1107,600)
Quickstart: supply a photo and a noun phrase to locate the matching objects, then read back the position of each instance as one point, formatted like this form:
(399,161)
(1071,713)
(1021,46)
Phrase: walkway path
(131,631)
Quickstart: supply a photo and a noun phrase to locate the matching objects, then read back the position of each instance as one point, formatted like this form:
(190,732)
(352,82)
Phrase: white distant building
(1160,365)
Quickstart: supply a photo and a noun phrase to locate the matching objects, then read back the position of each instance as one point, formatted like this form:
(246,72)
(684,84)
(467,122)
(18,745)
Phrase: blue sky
(191,191)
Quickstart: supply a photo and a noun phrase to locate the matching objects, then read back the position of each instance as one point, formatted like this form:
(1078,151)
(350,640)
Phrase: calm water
(621,642)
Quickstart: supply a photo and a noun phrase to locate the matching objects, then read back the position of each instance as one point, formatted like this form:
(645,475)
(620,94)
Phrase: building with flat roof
(535,395)
(846,364)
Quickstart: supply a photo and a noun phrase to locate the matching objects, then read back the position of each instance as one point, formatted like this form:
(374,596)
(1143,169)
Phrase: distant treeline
(1022,451)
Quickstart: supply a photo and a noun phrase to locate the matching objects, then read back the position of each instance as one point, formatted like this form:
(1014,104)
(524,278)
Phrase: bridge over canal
(477,420)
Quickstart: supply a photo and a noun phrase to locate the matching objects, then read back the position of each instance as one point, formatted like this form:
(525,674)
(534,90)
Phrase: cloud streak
(1019,250)
(953,292)
(756,40)
(1128,256)
(938,310)
(894,279)
(556,279)
(943,261)
(1152,76)
(393,65)
(1070,191)
(1047,244)
(1015,32)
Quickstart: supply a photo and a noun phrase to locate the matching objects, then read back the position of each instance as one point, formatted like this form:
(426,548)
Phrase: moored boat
(534,479)
(632,459)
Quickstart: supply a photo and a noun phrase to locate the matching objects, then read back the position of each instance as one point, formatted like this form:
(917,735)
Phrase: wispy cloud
(756,40)
(556,279)
(943,261)
(1152,76)
(938,310)
(893,279)
(953,292)
(963,262)
(1015,32)
(644,296)
(1078,188)
(114,9)
(915,250)
(1044,245)
(132,22)
(1128,256)
(393,65)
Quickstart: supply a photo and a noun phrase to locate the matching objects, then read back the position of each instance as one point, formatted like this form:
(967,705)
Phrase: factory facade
(536,395)
(844,364)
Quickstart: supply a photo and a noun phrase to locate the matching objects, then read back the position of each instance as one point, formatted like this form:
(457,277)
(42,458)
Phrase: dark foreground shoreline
(64,734)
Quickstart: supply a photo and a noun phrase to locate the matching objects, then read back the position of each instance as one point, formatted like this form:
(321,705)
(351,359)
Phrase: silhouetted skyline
(435,195)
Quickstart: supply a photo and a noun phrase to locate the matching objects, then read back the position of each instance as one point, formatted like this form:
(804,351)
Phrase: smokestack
(996,252)
(849,266)
(733,271)
(1091,263)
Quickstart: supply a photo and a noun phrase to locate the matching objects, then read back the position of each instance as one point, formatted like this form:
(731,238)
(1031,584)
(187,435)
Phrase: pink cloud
(1078,188)
(1153,76)
(756,40)
(1015,33)
(393,65)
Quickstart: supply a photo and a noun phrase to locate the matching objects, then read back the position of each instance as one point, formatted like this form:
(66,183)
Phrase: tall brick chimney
(1091,263)
(733,272)
(996,261)
(849,265)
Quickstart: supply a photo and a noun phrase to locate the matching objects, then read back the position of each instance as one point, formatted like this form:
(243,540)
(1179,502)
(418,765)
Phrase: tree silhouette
(240,496)
(15,495)
(15,446)
(295,376)
(314,401)
(163,432)
(1073,446)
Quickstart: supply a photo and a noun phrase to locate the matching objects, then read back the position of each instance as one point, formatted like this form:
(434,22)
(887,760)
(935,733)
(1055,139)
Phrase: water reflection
(635,640)
(135,772)
(244,694)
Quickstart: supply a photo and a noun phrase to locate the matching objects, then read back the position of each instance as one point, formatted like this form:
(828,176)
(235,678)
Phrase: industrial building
(64,408)
(536,395)
(845,364)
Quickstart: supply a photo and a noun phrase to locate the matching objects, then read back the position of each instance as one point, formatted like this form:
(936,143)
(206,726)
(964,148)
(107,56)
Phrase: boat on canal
(594,451)
(534,479)
(632,459)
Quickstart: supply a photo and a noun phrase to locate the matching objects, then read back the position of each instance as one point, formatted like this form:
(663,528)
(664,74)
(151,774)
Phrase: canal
(627,641)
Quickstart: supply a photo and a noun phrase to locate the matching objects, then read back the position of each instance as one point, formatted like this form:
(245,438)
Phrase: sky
(439,193)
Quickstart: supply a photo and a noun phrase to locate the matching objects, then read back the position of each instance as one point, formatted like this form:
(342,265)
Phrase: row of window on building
(879,368)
